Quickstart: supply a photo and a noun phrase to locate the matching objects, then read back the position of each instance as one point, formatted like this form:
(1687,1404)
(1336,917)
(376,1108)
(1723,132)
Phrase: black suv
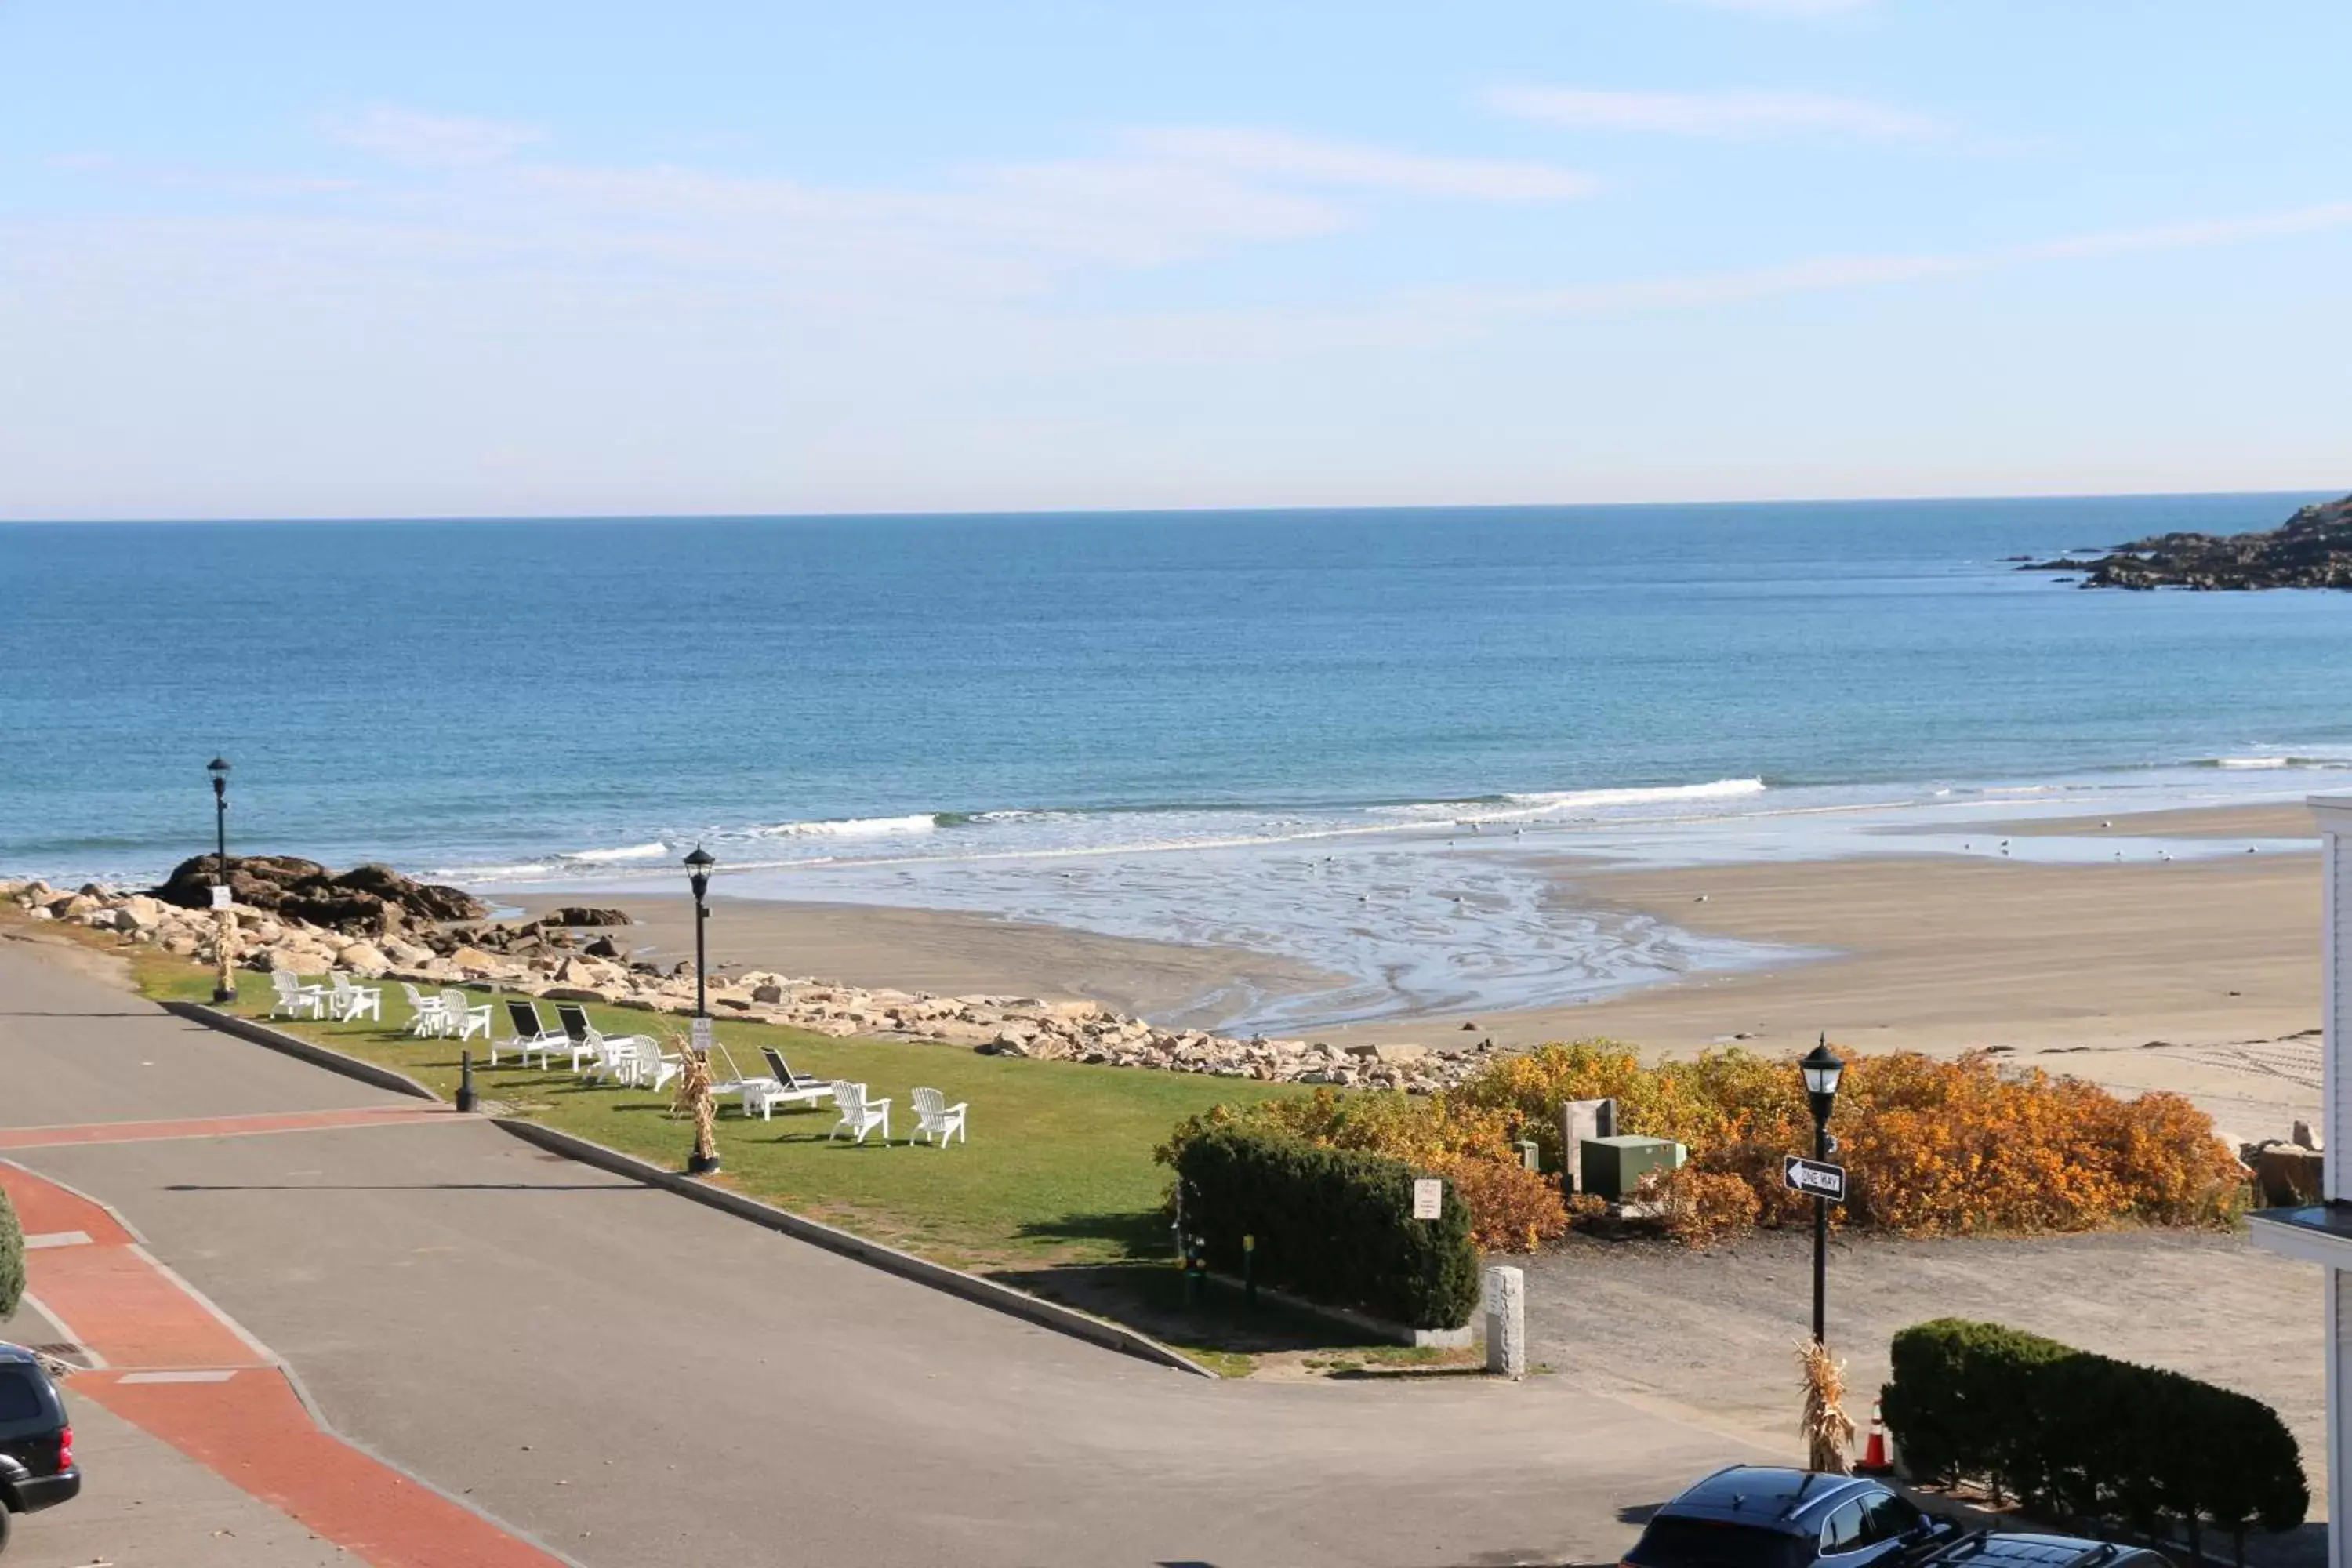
(2002,1549)
(1756,1516)
(37,1460)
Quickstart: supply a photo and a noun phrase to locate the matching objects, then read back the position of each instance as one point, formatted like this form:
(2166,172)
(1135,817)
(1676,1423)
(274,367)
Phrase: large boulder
(367,897)
(579,915)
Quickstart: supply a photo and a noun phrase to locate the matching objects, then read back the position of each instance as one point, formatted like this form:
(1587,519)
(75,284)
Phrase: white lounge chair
(935,1121)
(462,1018)
(346,1001)
(423,1012)
(295,1000)
(786,1087)
(531,1035)
(859,1115)
(604,1054)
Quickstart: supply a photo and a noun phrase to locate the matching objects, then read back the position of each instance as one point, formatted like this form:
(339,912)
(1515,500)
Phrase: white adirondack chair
(642,1064)
(935,1121)
(346,1001)
(295,1000)
(586,1045)
(859,1115)
(423,1012)
(463,1018)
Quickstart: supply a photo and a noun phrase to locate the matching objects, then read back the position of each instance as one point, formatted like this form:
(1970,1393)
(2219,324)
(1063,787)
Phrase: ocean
(1343,736)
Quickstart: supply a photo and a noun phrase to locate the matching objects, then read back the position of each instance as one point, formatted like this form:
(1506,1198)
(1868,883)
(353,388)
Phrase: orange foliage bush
(1932,1146)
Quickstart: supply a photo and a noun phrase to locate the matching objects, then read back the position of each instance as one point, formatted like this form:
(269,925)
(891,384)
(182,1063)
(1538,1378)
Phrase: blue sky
(503,259)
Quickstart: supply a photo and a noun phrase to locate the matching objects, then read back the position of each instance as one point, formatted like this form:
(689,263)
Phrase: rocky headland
(2313,549)
(376,925)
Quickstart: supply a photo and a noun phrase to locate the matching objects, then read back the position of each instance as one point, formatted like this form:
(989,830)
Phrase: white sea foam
(1573,799)
(652,851)
(2254,761)
(850,827)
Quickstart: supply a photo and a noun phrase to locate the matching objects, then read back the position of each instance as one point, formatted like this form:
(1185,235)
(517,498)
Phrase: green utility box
(1613,1167)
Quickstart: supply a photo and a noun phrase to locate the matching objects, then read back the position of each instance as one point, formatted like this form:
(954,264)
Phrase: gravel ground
(1711,1336)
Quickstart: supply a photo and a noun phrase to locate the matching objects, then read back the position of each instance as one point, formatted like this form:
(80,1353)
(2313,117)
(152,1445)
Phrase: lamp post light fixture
(1822,1071)
(698,877)
(225,983)
(704,1159)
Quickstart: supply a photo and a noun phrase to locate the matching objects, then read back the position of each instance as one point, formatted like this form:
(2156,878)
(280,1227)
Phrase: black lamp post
(698,877)
(704,1159)
(222,991)
(1822,1071)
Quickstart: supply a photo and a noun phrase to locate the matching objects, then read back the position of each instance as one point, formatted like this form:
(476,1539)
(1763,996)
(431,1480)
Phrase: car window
(19,1399)
(1674,1542)
(1841,1532)
(1887,1518)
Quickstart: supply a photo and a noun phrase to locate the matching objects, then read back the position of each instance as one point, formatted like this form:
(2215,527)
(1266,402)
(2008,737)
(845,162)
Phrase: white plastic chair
(462,1018)
(782,1087)
(531,1035)
(935,1121)
(637,1062)
(346,1001)
(582,1038)
(859,1115)
(295,999)
(423,1012)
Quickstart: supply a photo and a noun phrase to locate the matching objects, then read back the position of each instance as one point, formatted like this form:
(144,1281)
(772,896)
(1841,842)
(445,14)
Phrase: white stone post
(1506,1321)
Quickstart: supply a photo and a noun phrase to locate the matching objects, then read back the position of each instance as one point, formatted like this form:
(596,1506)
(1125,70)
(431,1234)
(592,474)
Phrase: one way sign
(1814,1176)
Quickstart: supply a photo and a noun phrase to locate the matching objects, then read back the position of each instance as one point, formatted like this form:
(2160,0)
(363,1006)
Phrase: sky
(511,257)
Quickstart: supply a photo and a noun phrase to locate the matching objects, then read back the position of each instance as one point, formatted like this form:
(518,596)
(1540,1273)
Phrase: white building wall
(2336,966)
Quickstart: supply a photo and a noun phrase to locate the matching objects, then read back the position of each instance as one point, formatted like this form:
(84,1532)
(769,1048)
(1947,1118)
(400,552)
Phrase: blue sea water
(1139,722)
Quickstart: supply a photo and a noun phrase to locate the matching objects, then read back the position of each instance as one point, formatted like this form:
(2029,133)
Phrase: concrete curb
(922,1271)
(316,1054)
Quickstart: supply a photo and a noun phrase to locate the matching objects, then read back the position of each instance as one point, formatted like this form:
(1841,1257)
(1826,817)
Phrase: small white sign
(223,897)
(702,1037)
(1428,1198)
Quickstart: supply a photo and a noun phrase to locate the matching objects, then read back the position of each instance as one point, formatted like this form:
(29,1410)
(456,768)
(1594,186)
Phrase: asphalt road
(635,1379)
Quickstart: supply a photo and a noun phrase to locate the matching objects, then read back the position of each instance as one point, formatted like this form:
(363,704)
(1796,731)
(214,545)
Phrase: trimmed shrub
(12,1258)
(1512,1208)
(2086,1437)
(1332,1225)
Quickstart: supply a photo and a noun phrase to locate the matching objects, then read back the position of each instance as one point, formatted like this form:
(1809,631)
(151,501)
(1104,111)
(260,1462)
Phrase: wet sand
(949,952)
(2217,821)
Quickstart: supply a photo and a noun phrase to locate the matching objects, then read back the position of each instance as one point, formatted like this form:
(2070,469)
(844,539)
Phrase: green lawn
(1058,1171)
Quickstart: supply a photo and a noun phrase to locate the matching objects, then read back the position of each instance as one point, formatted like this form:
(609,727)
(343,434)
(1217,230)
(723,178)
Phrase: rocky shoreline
(565,957)
(2313,549)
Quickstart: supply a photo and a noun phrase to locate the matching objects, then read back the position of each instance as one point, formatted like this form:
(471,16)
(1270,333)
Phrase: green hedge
(1332,1225)
(2086,1436)
(12,1258)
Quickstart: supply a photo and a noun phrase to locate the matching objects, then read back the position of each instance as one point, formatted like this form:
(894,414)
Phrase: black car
(36,1458)
(1758,1516)
(2000,1549)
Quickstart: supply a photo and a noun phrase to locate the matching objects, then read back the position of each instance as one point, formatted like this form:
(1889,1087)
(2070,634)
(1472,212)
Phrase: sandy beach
(2200,976)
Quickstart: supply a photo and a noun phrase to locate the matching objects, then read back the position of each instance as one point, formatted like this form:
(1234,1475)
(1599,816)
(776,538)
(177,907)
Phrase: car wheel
(5,1518)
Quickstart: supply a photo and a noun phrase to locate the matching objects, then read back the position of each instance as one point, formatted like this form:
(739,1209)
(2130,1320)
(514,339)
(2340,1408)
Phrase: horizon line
(1001,513)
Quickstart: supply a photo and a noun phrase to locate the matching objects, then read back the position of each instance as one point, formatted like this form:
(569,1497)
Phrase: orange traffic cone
(1873,1457)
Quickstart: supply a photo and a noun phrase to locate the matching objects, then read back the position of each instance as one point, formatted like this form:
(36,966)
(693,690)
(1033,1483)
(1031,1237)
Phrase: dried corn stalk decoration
(1829,1433)
(693,1098)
